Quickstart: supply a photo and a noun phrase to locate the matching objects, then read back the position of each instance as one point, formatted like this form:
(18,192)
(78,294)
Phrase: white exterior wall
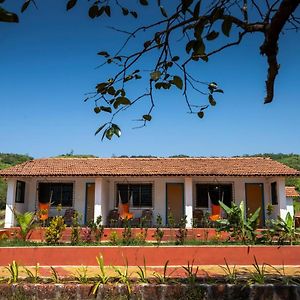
(105,193)
(290,205)
(10,202)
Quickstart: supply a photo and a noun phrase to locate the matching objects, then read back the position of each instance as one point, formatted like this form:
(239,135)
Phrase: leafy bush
(26,223)
(75,229)
(159,233)
(54,231)
(237,224)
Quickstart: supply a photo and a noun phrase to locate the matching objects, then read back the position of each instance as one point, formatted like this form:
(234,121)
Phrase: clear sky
(48,61)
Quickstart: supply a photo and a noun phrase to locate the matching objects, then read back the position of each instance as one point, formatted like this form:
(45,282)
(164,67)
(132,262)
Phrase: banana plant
(286,229)
(25,221)
(237,224)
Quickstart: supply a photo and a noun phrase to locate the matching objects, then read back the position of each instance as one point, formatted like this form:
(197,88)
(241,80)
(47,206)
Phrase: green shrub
(237,224)
(54,231)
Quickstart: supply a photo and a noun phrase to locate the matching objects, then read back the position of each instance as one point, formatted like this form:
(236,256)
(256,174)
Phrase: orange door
(90,202)
(254,200)
(175,201)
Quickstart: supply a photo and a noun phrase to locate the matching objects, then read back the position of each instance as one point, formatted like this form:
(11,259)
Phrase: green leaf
(97,109)
(93,11)
(100,128)
(134,14)
(200,114)
(199,47)
(116,129)
(147,117)
(219,91)
(109,133)
(175,58)
(189,46)
(101,11)
(197,10)
(101,87)
(212,35)
(163,12)
(103,53)
(9,17)
(178,82)
(106,109)
(226,26)
(144,2)
(121,101)
(125,11)
(71,4)
(25,5)
(107,10)
(186,4)
(225,207)
(111,90)
(212,100)
(155,75)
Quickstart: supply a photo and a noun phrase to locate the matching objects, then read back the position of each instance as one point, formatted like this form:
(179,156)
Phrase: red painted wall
(154,256)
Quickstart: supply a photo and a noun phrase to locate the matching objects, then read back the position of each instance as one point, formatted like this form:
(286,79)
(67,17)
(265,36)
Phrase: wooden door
(255,199)
(89,202)
(175,201)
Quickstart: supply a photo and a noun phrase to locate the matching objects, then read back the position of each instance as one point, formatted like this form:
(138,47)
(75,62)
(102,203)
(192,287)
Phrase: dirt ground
(172,271)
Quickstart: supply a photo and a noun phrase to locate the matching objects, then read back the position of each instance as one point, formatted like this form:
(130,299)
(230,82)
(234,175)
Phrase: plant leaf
(100,128)
(25,6)
(144,2)
(178,82)
(71,4)
(147,117)
(155,75)
(121,101)
(93,11)
(163,12)
(212,35)
(226,26)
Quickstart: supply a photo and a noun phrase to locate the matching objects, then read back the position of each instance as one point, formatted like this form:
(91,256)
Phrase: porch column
(98,198)
(281,198)
(10,202)
(188,201)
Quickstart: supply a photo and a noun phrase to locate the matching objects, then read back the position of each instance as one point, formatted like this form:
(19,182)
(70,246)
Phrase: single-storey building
(177,186)
(291,194)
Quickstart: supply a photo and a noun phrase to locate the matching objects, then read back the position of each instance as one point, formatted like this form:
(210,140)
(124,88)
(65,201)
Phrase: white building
(94,186)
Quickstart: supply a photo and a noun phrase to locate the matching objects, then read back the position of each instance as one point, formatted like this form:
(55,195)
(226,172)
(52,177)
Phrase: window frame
(61,183)
(20,192)
(132,207)
(208,208)
(274,196)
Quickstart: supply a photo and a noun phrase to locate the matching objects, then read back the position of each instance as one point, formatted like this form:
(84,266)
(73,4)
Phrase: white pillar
(10,202)
(98,198)
(281,198)
(188,201)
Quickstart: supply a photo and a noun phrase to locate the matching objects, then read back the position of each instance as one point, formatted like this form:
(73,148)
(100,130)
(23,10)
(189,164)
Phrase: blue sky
(48,62)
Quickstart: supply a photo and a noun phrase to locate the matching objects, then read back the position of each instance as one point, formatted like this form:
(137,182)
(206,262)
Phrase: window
(20,192)
(274,197)
(58,193)
(138,195)
(214,193)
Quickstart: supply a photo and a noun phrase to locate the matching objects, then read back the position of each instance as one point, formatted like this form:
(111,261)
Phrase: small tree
(237,224)
(26,222)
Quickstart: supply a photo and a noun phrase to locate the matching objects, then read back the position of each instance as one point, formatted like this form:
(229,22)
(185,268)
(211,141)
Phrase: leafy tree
(186,32)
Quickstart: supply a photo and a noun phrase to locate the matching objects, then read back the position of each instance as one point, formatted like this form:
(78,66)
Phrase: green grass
(2,214)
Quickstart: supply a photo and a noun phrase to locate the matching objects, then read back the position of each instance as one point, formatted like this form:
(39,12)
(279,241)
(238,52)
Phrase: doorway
(255,199)
(174,201)
(89,202)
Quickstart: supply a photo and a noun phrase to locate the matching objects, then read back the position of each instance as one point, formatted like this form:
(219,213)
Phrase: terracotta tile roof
(250,166)
(290,191)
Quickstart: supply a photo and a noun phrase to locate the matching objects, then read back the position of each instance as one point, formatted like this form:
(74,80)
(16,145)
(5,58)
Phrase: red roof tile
(250,166)
(290,191)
